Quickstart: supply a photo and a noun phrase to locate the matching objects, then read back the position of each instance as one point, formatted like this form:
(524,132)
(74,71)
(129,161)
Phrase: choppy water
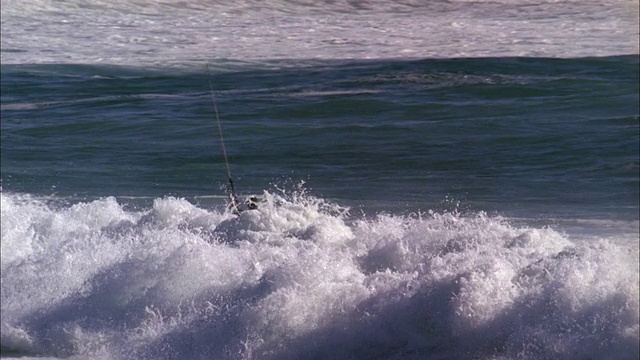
(425,194)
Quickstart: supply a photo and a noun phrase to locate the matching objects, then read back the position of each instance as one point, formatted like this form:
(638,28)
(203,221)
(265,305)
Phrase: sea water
(436,179)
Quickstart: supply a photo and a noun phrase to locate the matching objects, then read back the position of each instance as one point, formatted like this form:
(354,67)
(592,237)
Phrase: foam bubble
(175,33)
(302,277)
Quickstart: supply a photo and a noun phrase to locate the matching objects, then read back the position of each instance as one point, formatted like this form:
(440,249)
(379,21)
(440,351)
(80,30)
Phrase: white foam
(175,33)
(299,276)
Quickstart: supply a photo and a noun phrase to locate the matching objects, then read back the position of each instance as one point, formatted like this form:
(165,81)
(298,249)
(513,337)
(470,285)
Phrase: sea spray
(299,276)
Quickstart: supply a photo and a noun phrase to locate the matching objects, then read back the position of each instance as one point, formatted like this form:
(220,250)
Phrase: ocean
(435,179)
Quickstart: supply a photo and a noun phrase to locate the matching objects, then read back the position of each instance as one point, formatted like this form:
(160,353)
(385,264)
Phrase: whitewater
(298,279)
(470,179)
(193,33)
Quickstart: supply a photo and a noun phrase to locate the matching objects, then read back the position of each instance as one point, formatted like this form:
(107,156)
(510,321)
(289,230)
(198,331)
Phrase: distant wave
(177,33)
(154,6)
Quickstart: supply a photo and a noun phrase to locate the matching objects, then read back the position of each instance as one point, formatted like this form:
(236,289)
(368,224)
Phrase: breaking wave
(300,276)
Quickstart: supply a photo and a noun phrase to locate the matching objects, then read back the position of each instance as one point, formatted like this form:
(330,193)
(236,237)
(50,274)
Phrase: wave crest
(302,276)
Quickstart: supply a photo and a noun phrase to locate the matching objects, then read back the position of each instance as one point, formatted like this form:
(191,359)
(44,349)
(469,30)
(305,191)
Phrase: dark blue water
(513,135)
(493,210)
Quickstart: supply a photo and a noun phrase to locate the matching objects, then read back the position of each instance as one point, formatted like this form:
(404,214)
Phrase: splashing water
(301,277)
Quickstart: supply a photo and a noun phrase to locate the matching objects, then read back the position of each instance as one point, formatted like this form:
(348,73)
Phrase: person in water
(251,203)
